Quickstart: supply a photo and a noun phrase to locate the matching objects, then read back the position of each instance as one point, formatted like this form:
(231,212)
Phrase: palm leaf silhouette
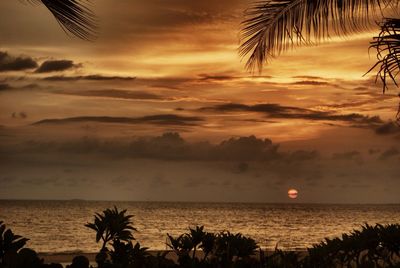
(387,45)
(74,16)
(273,26)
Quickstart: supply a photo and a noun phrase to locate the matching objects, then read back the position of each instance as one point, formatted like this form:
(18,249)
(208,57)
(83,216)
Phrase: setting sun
(292,193)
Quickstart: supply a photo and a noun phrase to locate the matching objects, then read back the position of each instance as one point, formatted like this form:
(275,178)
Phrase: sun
(293,193)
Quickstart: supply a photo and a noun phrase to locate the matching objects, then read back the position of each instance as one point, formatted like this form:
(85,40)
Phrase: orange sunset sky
(160,107)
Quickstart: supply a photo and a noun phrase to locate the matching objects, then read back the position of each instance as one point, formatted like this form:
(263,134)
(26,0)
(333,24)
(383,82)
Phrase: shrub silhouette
(112,225)
(79,262)
(219,250)
(10,244)
(14,255)
(371,246)
(115,228)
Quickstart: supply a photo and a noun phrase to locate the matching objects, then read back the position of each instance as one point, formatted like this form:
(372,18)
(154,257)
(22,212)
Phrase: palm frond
(387,45)
(273,26)
(398,114)
(74,16)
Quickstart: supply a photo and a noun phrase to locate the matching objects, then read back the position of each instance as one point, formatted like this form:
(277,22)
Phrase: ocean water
(58,226)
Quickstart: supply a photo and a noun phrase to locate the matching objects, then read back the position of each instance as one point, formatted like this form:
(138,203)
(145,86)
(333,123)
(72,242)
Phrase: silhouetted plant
(182,247)
(112,225)
(372,246)
(218,250)
(128,255)
(228,246)
(207,244)
(280,259)
(79,262)
(9,243)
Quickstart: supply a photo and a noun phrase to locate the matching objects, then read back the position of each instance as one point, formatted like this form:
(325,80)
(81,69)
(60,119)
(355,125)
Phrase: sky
(160,107)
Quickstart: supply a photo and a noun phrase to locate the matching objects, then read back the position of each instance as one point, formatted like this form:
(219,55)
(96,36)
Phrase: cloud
(206,77)
(309,77)
(95,77)
(20,115)
(56,66)
(163,119)
(171,146)
(388,128)
(10,63)
(241,168)
(246,149)
(311,83)
(302,155)
(228,77)
(5,86)
(114,93)
(289,112)
(347,155)
(392,152)
(352,103)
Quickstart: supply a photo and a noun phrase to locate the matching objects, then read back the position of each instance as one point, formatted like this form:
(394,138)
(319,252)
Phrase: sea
(58,226)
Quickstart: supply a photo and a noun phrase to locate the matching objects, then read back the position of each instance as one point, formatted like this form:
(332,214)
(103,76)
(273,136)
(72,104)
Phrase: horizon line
(192,202)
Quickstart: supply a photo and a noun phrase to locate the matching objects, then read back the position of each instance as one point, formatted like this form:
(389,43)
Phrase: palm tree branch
(387,45)
(74,16)
(273,26)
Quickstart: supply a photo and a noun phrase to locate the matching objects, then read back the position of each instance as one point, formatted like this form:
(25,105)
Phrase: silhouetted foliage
(218,250)
(115,228)
(370,247)
(10,244)
(74,16)
(112,225)
(79,262)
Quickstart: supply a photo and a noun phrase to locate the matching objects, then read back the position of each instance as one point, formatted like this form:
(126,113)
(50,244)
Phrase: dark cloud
(290,112)
(373,151)
(241,168)
(227,77)
(308,77)
(95,77)
(114,93)
(392,152)
(10,63)
(388,128)
(163,119)
(5,86)
(56,66)
(20,115)
(347,155)
(311,83)
(30,86)
(171,146)
(174,83)
(353,103)
(247,149)
(361,88)
(206,77)
(302,155)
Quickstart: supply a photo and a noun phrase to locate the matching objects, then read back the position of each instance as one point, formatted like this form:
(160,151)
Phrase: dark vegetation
(372,246)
